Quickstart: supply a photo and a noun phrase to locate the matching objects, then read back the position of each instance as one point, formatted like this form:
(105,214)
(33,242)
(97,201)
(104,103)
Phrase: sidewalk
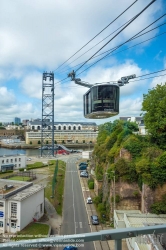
(86,192)
(55,220)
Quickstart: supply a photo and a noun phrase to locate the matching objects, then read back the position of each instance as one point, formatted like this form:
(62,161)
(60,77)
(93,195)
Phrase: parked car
(83,167)
(70,248)
(94,220)
(89,200)
(84,171)
(84,174)
(83,163)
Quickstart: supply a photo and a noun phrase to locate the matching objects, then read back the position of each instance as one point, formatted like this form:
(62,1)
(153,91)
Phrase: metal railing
(115,234)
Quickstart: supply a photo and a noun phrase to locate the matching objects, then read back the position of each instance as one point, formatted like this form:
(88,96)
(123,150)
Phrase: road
(75,218)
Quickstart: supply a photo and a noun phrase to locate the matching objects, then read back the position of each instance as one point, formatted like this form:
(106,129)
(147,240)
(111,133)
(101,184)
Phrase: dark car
(83,167)
(83,163)
(70,248)
(94,220)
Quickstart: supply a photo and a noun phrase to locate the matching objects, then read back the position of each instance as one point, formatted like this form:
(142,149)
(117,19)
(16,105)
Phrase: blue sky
(37,36)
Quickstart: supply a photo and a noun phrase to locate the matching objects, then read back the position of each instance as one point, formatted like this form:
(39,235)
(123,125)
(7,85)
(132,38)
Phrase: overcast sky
(38,36)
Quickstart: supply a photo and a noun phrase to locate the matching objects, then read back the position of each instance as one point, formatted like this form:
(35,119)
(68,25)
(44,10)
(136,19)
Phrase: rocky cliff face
(129,196)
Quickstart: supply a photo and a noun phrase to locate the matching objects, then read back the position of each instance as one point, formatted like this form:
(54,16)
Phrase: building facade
(17,120)
(64,132)
(139,121)
(20,204)
(12,162)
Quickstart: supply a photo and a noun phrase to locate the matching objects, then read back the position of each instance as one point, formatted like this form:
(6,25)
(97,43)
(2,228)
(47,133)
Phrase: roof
(66,123)
(26,192)
(11,187)
(125,118)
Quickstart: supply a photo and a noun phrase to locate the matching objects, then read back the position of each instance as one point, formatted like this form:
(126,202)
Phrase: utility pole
(114,190)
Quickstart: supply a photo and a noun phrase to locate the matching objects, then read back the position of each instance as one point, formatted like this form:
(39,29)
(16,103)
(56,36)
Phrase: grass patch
(20,178)
(57,201)
(36,165)
(33,231)
(5,175)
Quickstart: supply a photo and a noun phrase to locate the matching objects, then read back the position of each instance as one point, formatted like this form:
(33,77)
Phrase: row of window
(58,128)
(11,160)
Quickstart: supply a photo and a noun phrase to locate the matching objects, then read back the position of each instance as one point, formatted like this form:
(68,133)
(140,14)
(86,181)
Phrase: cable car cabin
(101,101)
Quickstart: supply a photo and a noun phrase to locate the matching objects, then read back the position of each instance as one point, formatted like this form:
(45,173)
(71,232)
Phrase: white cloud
(158,80)
(33,32)
(131,107)
(37,36)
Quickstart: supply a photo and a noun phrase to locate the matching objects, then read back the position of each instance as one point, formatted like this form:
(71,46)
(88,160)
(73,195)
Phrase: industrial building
(20,203)
(64,132)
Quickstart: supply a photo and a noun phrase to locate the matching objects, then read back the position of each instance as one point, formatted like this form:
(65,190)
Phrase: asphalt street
(74,220)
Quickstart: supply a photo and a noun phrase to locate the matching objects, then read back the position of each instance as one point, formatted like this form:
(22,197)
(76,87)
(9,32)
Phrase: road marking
(85,189)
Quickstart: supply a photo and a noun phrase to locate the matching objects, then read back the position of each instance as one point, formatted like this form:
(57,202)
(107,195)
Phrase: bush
(21,169)
(97,199)
(159,207)
(117,198)
(9,171)
(91,185)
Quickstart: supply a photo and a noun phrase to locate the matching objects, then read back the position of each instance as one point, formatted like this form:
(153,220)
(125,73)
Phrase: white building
(20,203)
(139,121)
(12,162)
(134,218)
(86,154)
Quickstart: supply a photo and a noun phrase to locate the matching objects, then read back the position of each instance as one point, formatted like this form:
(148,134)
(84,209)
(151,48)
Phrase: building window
(79,128)
(74,128)
(1,223)
(69,127)
(38,127)
(54,127)
(15,165)
(64,127)
(41,208)
(59,128)
(49,128)
(11,160)
(7,160)
(19,165)
(2,161)
(15,159)
(14,210)
(1,204)
(33,127)
(19,159)
(13,224)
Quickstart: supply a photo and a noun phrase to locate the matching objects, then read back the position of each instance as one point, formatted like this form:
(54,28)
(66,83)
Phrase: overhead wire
(132,38)
(118,33)
(130,81)
(104,39)
(147,78)
(123,44)
(97,34)
(98,43)
(126,48)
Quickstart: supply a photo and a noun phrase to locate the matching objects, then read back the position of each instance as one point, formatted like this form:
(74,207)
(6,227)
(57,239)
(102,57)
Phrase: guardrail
(114,234)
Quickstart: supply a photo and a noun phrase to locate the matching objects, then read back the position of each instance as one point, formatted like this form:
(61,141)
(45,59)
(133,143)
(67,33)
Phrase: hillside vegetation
(146,161)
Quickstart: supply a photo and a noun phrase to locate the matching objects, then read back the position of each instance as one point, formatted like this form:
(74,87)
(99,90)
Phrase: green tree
(153,107)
